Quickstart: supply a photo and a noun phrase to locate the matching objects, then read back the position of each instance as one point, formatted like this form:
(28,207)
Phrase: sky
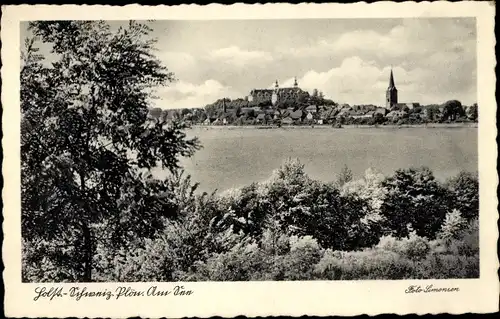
(349,60)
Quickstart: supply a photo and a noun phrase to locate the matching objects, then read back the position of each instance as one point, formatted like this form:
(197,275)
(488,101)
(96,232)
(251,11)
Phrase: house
(325,115)
(285,113)
(261,117)
(323,108)
(297,115)
(328,115)
(343,113)
(412,105)
(320,121)
(287,120)
(246,110)
(207,121)
(396,114)
(309,116)
(399,107)
(217,122)
(312,109)
(369,114)
(426,113)
(357,115)
(381,110)
(392,114)
(226,118)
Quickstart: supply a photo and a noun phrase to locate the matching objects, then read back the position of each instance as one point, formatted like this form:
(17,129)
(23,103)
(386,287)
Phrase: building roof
(296,115)
(267,91)
(357,113)
(327,114)
(343,112)
(261,116)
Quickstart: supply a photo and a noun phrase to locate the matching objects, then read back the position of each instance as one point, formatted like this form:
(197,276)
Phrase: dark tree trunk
(88,253)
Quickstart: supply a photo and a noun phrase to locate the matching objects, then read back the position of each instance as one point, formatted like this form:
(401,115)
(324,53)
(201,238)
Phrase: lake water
(236,157)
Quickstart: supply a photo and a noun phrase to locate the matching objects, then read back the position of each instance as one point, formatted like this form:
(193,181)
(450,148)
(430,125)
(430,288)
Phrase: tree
(344,176)
(452,110)
(87,143)
(414,200)
(379,118)
(250,114)
(464,192)
(473,112)
(238,111)
(452,226)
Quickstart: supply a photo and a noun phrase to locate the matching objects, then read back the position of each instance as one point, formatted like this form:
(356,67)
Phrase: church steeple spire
(295,84)
(391,95)
(391,81)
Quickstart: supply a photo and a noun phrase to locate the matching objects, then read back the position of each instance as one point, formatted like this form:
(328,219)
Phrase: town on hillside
(281,106)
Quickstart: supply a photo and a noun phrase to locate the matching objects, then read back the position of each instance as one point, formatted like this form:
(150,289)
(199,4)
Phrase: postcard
(256,160)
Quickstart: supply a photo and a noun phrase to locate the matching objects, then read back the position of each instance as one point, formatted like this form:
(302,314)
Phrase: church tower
(295,84)
(391,96)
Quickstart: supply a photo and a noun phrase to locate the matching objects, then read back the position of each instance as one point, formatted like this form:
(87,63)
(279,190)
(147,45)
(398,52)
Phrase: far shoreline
(328,126)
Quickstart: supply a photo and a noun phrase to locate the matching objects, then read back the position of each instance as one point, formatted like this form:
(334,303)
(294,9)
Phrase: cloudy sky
(433,60)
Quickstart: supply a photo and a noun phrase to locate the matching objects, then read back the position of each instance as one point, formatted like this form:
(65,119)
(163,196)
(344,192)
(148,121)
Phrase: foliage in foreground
(291,227)
(88,143)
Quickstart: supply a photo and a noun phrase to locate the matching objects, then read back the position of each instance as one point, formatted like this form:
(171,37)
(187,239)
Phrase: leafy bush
(289,227)
(367,264)
(415,200)
(410,258)
(452,226)
(464,191)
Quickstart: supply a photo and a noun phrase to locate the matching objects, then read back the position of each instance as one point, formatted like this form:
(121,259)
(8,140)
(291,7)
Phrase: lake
(236,157)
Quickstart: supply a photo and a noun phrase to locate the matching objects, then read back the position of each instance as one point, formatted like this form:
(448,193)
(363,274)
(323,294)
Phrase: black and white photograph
(278,150)
(250,150)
